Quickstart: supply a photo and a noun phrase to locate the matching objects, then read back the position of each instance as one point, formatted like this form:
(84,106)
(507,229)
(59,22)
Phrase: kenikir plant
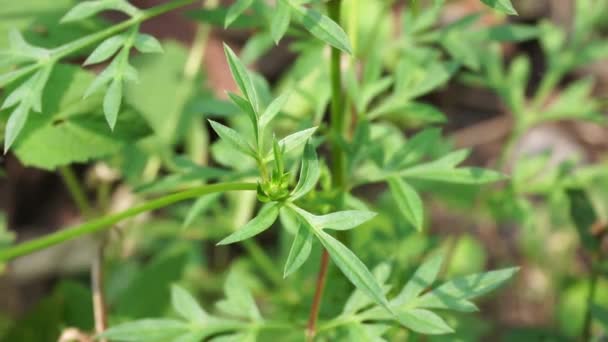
(292,209)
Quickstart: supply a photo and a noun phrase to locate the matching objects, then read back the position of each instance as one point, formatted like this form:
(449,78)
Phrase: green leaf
(146,43)
(112,101)
(273,109)
(408,201)
(343,220)
(233,138)
(422,279)
(322,27)
(106,49)
(242,78)
(423,321)
(280,21)
(149,330)
(239,302)
(198,207)
(87,9)
(300,250)
(455,292)
(267,216)
(236,10)
(504,6)
(293,141)
(583,216)
(14,125)
(184,304)
(353,268)
(358,300)
(309,173)
(415,148)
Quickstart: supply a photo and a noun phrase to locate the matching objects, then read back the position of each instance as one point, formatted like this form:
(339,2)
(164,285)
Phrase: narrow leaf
(273,109)
(146,43)
(424,322)
(323,28)
(343,220)
(150,330)
(267,216)
(242,78)
(353,268)
(309,173)
(408,201)
(112,101)
(294,141)
(236,10)
(504,6)
(106,49)
(15,124)
(422,279)
(300,250)
(233,138)
(280,21)
(184,304)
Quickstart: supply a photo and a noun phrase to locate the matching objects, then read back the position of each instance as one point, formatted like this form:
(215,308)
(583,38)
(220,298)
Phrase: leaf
(322,27)
(239,301)
(233,138)
(300,250)
(14,125)
(423,321)
(408,201)
(87,9)
(358,300)
(353,268)
(309,173)
(236,10)
(112,101)
(266,217)
(415,148)
(422,279)
(197,208)
(149,330)
(106,49)
(451,294)
(146,43)
(583,216)
(504,6)
(343,220)
(280,21)
(242,78)
(293,141)
(184,304)
(273,109)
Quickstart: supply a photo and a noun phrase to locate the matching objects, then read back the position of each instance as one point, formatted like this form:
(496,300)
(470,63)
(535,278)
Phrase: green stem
(337,107)
(108,221)
(78,44)
(76,191)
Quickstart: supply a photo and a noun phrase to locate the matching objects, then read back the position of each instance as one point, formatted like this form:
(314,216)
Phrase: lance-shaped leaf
(358,300)
(293,141)
(242,78)
(300,250)
(280,21)
(184,304)
(146,43)
(106,49)
(309,173)
(353,268)
(267,216)
(273,109)
(322,27)
(424,322)
(87,9)
(153,330)
(455,293)
(112,101)
(233,138)
(422,279)
(504,6)
(343,220)
(238,302)
(408,201)
(236,10)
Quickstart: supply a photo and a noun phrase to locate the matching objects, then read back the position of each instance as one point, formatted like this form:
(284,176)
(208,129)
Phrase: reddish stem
(316,302)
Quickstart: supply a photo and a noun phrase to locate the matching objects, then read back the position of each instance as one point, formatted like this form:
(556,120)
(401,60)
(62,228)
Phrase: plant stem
(586,335)
(338,170)
(316,302)
(97,281)
(76,191)
(107,221)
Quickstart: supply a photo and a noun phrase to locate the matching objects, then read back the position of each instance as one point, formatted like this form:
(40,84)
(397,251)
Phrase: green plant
(351,107)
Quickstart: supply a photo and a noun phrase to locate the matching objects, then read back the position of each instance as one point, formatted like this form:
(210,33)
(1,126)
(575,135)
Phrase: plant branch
(316,302)
(76,191)
(595,274)
(107,221)
(97,281)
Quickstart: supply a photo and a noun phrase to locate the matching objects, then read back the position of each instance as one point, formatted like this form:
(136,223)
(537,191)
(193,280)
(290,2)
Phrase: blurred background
(483,228)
